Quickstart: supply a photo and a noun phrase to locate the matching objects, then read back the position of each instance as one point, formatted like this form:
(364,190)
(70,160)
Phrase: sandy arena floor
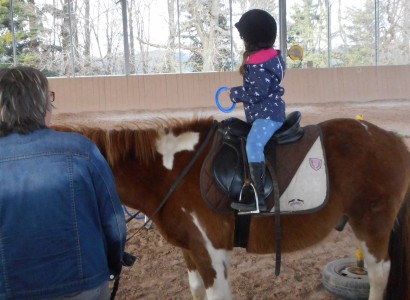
(160,272)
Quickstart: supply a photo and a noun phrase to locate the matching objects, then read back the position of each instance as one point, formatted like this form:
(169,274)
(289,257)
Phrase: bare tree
(197,30)
(394,32)
(205,33)
(142,14)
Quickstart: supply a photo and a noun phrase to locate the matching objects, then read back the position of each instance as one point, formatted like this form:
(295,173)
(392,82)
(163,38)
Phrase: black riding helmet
(258,29)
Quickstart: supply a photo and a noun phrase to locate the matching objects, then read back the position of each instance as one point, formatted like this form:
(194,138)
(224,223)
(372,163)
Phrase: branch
(183,47)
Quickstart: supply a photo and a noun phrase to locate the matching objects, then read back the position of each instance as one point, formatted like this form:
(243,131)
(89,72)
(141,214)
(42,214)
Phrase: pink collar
(262,56)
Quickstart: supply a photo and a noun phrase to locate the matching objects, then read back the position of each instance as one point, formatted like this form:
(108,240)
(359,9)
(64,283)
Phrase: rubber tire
(342,286)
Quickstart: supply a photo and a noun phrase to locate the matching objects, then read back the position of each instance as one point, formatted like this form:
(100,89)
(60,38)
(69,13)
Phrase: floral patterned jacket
(261,93)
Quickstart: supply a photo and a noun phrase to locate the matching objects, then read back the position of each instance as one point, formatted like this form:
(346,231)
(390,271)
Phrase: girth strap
(278,239)
(242,225)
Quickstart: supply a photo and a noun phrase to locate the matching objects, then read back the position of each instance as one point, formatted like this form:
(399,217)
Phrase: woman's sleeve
(111,212)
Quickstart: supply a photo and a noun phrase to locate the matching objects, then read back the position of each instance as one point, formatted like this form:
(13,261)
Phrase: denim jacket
(62,228)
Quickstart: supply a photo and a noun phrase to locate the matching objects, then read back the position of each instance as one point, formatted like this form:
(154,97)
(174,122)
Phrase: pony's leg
(378,273)
(212,264)
(196,283)
(217,283)
(220,263)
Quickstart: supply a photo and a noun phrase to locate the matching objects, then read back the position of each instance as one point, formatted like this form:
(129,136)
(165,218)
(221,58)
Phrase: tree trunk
(65,38)
(87,34)
(210,49)
(170,64)
(33,25)
(131,34)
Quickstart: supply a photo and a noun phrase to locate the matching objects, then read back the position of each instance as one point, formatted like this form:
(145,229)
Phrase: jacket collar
(262,56)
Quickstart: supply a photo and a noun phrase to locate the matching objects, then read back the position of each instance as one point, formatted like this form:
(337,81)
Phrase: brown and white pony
(369,180)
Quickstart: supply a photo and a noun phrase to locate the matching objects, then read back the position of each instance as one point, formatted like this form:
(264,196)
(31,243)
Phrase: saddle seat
(289,132)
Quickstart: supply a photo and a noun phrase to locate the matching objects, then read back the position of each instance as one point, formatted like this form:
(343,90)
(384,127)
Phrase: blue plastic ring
(132,215)
(225,110)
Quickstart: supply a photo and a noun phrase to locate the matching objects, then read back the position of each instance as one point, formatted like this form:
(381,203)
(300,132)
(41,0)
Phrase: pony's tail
(398,286)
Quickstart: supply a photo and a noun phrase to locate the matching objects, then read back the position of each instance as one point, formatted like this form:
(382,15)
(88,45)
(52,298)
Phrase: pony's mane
(134,139)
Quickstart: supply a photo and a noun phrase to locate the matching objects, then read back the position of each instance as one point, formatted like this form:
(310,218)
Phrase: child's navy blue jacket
(261,92)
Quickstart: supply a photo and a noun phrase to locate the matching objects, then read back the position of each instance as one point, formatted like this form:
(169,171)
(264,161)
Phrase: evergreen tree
(360,33)
(308,29)
(26,28)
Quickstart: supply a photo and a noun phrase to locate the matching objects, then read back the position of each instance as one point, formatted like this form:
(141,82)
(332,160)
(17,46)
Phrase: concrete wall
(192,90)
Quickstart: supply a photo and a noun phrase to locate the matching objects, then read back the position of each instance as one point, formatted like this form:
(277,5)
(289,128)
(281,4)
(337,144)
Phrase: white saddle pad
(308,189)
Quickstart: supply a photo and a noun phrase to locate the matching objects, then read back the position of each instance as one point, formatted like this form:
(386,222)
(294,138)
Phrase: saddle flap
(228,169)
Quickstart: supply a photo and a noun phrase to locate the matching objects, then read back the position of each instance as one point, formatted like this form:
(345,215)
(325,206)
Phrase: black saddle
(228,164)
(289,132)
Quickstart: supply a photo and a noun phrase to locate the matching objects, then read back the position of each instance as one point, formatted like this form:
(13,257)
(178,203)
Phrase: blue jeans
(259,135)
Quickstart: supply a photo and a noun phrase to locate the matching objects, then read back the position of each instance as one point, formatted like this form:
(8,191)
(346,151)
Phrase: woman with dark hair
(263,69)
(62,228)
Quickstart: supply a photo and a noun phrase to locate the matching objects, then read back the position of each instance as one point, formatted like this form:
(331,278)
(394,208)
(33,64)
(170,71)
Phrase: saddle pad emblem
(315,163)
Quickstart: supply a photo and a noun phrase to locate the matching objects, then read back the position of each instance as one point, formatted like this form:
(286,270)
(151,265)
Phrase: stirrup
(253,209)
